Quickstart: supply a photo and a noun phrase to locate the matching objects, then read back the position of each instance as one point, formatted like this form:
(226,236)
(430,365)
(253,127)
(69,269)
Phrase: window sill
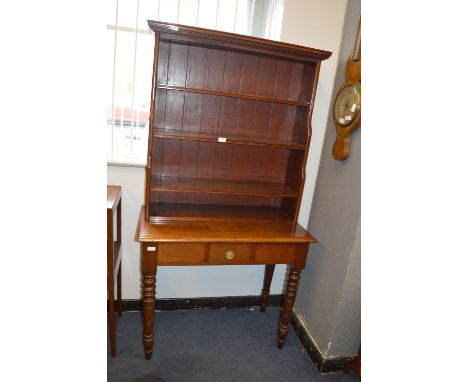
(125,164)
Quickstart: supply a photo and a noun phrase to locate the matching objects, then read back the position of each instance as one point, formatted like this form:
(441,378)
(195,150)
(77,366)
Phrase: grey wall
(328,302)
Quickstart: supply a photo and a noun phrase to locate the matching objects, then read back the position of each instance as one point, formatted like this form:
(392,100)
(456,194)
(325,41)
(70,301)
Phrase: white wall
(328,301)
(315,23)
(318,24)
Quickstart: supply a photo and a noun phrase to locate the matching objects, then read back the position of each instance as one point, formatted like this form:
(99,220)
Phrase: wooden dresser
(230,129)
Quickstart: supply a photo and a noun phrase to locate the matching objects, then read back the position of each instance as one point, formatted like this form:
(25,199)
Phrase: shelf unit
(229,139)
(230,94)
(230,126)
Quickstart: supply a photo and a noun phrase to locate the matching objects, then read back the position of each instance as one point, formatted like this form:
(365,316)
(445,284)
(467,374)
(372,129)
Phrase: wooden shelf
(251,141)
(214,186)
(229,127)
(160,212)
(229,94)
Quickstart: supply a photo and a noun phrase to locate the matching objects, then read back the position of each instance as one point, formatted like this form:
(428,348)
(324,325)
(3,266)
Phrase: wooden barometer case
(347,104)
(230,129)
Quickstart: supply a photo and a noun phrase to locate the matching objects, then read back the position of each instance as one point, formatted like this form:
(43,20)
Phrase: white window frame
(265,21)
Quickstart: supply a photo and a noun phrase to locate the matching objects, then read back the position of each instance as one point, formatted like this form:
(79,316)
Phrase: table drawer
(275,253)
(229,253)
(177,253)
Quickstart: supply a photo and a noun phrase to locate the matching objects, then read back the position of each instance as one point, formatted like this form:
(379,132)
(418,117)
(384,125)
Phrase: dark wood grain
(110,283)
(273,231)
(114,193)
(230,130)
(212,160)
(114,256)
(181,253)
(229,94)
(148,292)
(268,276)
(149,301)
(287,308)
(254,45)
(149,161)
(215,186)
(165,212)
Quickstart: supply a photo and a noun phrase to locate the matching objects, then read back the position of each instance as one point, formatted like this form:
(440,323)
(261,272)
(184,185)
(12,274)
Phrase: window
(130,54)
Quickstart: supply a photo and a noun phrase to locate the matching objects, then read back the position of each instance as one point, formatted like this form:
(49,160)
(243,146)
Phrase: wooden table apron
(192,248)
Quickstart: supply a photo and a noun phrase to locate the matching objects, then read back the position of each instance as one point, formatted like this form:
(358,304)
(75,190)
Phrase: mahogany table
(221,243)
(114,255)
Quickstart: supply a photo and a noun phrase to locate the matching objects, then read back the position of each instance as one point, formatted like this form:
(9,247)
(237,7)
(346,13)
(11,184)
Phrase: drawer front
(229,253)
(179,253)
(275,253)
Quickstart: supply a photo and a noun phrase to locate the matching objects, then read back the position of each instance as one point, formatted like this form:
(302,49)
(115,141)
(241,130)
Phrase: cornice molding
(306,53)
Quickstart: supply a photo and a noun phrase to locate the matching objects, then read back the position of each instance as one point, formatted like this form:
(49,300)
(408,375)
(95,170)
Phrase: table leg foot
(269,270)
(288,303)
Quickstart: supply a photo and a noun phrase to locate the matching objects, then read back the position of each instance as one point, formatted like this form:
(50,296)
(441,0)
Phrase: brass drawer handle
(229,255)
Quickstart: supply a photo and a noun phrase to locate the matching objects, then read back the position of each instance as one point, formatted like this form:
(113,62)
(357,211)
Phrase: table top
(113,196)
(251,232)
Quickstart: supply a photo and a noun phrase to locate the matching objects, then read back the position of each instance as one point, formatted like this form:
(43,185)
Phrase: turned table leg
(288,303)
(148,286)
(149,304)
(269,269)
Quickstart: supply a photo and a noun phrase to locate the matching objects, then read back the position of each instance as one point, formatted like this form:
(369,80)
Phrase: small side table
(114,256)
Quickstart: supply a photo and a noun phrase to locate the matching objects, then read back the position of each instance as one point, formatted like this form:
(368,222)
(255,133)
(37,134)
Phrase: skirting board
(198,303)
(323,365)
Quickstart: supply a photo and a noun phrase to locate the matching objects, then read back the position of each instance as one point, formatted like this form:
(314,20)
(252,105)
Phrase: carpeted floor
(212,346)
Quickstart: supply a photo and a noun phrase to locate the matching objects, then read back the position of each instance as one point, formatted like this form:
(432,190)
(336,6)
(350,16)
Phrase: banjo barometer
(347,105)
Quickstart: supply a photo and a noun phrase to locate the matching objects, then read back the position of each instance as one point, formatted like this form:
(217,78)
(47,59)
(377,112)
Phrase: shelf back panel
(162,212)
(212,160)
(222,70)
(208,90)
(195,198)
(227,116)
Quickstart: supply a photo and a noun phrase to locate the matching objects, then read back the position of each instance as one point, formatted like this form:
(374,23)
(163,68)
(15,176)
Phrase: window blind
(130,44)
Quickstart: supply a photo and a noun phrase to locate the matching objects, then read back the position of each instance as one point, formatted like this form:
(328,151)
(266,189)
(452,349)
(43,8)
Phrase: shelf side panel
(294,179)
(307,82)
(300,131)
(154,81)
